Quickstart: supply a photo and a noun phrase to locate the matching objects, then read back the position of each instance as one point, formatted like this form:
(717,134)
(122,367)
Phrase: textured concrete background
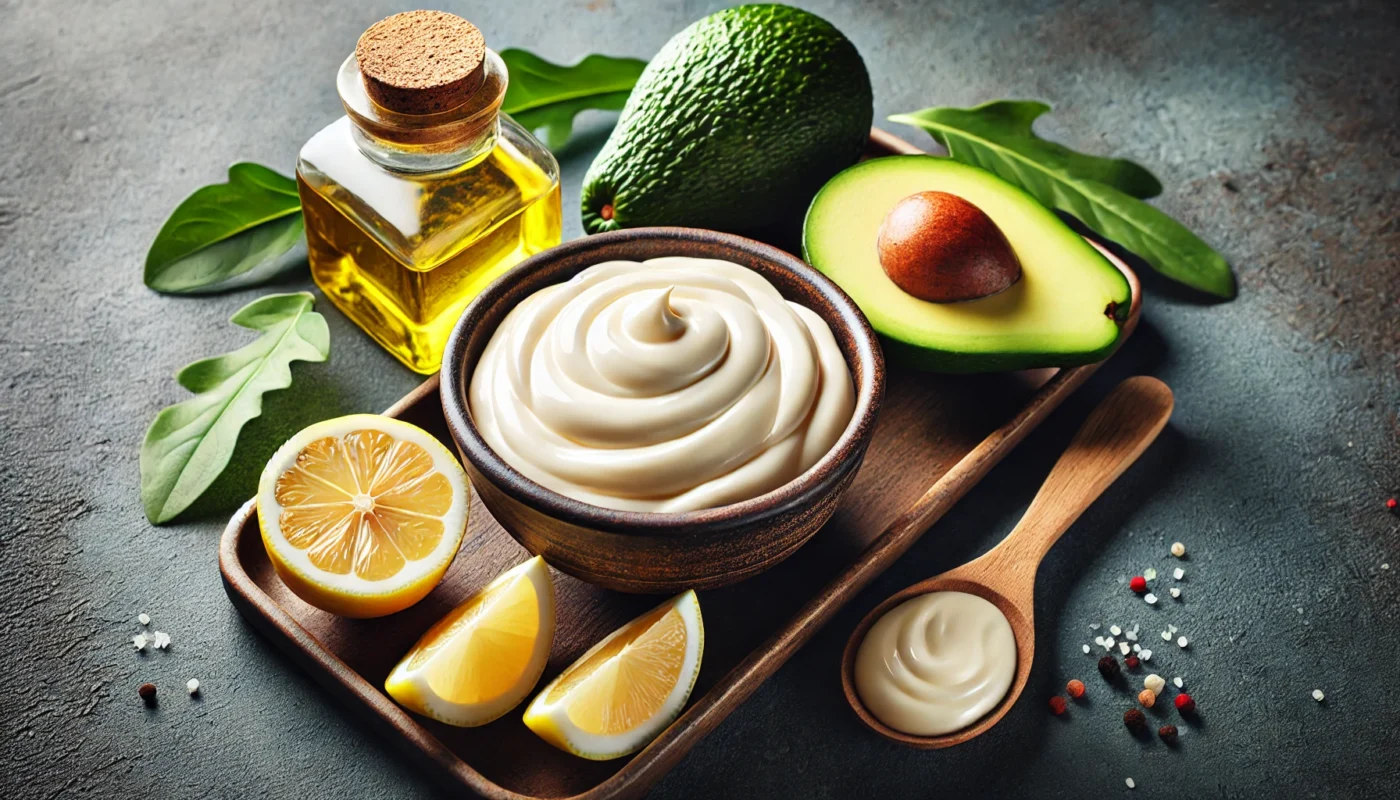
(1274,129)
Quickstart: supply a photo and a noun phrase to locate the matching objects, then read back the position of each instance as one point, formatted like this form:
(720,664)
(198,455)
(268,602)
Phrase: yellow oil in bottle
(400,235)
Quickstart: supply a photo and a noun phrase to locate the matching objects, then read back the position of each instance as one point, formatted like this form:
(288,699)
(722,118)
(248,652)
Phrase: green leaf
(229,235)
(191,442)
(1103,193)
(545,95)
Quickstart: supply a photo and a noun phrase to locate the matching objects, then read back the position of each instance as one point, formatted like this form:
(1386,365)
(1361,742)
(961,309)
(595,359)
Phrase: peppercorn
(1132,662)
(1057,705)
(1138,584)
(1168,734)
(1135,720)
(1108,668)
(1185,704)
(1392,503)
(1147,698)
(147,692)
(1075,688)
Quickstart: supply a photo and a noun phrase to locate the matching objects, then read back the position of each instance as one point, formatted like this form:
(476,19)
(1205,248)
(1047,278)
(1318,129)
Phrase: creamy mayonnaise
(936,663)
(671,385)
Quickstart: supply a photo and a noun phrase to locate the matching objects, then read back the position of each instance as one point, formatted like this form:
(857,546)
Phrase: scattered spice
(1145,655)
(1392,503)
(143,618)
(1177,681)
(1150,574)
(1115,630)
(1151,599)
(1132,662)
(1168,734)
(1057,705)
(1178,549)
(192,686)
(1176,595)
(1185,704)
(1147,698)
(139,641)
(148,693)
(1135,720)
(1075,688)
(1130,783)
(160,640)
(1108,668)
(1318,695)
(1181,642)
(1179,573)
(1086,648)
(1138,584)
(1154,683)
(1124,648)
(1166,636)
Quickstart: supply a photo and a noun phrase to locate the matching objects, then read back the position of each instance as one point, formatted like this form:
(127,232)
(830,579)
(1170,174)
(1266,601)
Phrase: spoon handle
(1111,439)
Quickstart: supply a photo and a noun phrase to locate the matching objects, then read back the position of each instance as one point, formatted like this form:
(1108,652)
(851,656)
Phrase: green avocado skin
(734,125)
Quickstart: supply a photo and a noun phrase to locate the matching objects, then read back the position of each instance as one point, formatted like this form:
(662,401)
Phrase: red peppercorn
(1075,688)
(1138,584)
(1108,668)
(1168,733)
(1392,503)
(1185,704)
(1135,720)
(147,692)
(1057,705)
(1132,662)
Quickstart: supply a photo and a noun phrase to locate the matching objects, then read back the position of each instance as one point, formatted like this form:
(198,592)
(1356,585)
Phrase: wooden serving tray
(937,436)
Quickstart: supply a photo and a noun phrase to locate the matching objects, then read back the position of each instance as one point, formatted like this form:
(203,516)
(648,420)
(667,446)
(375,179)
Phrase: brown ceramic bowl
(663,552)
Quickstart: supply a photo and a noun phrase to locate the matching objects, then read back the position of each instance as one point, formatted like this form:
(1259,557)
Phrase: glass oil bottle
(411,210)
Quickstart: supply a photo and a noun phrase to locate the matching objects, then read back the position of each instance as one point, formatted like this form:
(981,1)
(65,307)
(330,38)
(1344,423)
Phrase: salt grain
(1086,648)
(1177,681)
(1154,683)
(1123,647)
(1115,630)
(1137,648)
(1385,566)
(1166,636)
(1181,642)
(1179,573)
(1093,626)
(1151,599)
(1318,695)
(1176,593)
(1132,636)
(1178,549)
(1109,643)
(139,640)
(1098,640)
(1150,574)
(1145,655)
(1173,628)
(192,686)
(1130,783)
(160,639)
(143,618)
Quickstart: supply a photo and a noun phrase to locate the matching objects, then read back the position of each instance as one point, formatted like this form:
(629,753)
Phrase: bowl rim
(802,491)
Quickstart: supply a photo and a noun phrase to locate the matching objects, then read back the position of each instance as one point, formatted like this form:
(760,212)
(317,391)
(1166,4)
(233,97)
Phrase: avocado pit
(941,248)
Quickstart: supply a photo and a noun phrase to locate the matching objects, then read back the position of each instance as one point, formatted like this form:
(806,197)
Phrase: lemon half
(625,690)
(361,515)
(484,657)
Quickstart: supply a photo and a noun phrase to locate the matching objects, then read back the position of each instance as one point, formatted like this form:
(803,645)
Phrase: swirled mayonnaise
(936,663)
(671,385)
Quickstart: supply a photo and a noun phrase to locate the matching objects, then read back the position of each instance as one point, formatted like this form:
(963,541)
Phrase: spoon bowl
(1111,439)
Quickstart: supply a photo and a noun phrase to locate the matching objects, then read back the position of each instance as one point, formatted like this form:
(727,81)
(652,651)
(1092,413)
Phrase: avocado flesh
(1067,308)
(734,125)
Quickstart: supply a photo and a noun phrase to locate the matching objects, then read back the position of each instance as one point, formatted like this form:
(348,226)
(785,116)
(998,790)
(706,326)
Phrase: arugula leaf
(1103,193)
(191,442)
(228,235)
(545,95)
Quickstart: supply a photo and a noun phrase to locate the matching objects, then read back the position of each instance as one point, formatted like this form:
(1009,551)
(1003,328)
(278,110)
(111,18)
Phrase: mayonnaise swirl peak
(674,384)
(936,663)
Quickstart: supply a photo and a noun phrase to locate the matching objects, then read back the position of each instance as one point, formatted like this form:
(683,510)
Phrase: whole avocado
(737,122)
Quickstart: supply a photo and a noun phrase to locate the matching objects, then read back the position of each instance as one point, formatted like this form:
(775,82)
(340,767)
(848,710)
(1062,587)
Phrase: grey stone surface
(1274,129)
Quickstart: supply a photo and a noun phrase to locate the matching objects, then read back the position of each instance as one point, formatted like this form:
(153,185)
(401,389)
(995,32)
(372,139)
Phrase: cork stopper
(421,62)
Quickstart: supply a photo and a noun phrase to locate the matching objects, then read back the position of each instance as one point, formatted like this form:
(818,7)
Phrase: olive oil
(410,216)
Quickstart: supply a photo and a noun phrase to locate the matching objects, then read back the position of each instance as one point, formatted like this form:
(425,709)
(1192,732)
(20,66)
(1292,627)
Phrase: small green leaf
(545,95)
(228,235)
(1103,193)
(191,442)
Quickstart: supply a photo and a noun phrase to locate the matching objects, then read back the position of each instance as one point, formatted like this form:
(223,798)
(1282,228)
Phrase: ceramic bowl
(663,552)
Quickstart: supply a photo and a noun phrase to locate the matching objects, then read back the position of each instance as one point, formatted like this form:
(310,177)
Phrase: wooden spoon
(1111,439)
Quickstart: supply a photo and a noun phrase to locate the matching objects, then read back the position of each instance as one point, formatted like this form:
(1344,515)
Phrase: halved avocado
(1066,309)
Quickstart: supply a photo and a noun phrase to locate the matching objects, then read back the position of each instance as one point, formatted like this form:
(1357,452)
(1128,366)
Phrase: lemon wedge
(361,515)
(484,657)
(625,690)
